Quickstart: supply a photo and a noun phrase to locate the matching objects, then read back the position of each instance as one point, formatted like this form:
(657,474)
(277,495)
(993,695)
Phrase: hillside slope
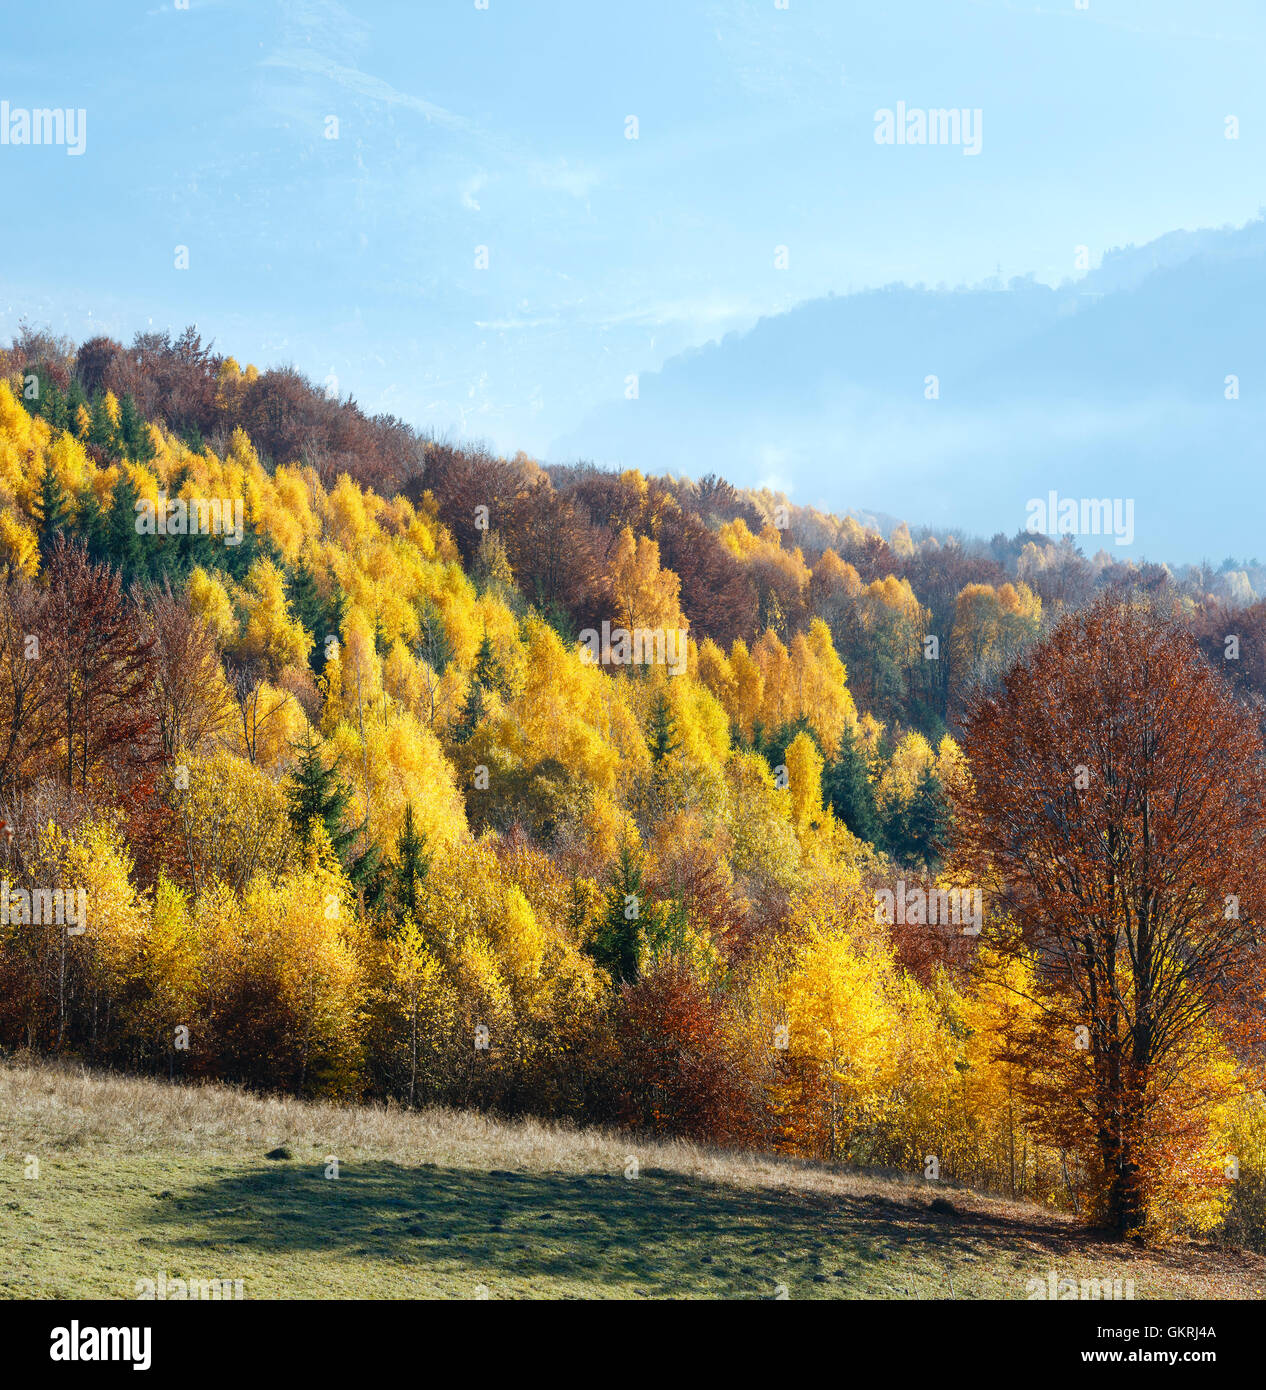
(139,1179)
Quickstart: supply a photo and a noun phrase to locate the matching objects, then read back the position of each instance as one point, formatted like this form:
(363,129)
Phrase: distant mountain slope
(1114,385)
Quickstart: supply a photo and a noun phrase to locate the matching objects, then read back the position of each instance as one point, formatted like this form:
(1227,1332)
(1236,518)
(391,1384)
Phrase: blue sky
(505,128)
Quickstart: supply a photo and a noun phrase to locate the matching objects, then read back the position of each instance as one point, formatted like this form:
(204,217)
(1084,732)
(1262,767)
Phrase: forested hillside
(356,813)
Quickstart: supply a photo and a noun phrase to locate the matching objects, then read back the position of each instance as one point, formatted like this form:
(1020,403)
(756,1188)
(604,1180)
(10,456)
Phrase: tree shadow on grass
(659,1233)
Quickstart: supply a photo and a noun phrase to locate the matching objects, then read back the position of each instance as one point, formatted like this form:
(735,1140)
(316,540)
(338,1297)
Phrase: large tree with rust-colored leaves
(1118,815)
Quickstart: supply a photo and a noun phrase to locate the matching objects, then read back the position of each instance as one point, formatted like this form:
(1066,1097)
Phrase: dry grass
(69,1106)
(137,1176)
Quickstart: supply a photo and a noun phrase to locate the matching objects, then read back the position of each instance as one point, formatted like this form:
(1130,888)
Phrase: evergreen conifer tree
(124,545)
(487,675)
(846,788)
(927,821)
(617,944)
(321,617)
(133,437)
(101,431)
(409,868)
(662,738)
(90,525)
(53,510)
(318,795)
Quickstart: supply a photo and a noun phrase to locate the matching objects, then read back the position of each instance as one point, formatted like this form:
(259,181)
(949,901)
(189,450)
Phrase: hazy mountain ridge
(1113,384)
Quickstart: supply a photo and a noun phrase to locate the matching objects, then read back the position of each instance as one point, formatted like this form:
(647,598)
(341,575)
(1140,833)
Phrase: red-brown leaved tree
(1118,816)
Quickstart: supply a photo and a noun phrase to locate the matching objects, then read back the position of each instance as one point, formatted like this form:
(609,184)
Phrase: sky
(506,127)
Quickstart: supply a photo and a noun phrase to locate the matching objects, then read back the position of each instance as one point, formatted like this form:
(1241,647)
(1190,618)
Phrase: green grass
(137,1178)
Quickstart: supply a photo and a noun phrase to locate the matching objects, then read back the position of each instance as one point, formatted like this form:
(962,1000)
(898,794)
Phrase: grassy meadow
(137,1178)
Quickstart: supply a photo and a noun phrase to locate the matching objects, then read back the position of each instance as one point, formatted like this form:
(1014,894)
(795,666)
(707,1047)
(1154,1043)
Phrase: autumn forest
(376,773)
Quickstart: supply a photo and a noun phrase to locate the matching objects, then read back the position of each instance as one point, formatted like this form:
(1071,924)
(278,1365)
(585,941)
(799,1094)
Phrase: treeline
(556,529)
(201,396)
